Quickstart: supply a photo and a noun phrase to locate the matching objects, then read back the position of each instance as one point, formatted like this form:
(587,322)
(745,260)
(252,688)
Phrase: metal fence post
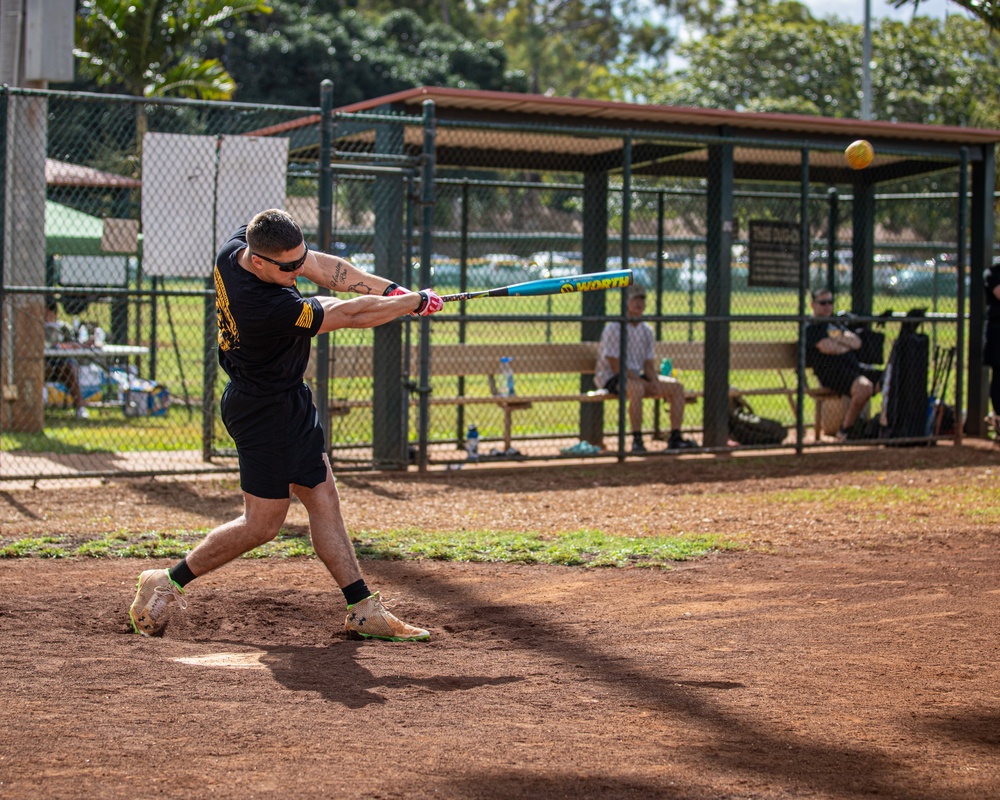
(718,258)
(800,391)
(963,217)
(325,203)
(426,248)
(831,247)
(981,232)
(623,299)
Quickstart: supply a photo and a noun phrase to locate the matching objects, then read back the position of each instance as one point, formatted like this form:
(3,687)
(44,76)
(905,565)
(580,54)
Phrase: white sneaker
(155,594)
(370,619)
(82,413)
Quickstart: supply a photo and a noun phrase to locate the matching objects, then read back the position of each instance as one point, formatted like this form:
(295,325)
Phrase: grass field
(180,366)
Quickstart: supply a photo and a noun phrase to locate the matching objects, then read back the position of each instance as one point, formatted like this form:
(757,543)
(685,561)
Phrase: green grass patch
(39,547)
(578,549)
(975,501)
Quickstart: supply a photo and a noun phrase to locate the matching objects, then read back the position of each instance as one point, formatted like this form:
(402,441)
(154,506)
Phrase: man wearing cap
(832,354)
(642,374)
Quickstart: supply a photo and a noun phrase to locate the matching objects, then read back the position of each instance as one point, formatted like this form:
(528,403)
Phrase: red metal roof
(62,173)
(624,113)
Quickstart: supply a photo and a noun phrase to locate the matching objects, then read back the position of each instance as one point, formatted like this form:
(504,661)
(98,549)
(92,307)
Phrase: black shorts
(991,344)
(841,381)
(278,439)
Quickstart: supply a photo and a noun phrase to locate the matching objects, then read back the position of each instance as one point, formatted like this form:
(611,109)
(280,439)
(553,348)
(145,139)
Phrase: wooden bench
(565,358)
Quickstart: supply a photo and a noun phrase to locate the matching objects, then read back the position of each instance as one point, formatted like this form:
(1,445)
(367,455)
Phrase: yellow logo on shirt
(229,336)
(305,319)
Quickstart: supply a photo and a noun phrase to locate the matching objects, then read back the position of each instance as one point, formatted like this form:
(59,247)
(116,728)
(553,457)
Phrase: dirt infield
(843,654)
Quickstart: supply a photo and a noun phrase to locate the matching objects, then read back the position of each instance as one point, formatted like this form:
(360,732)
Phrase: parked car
(692,276)
(922,281)
(501,269)
(643,271)
(365,261)
(558,264)
(445,270)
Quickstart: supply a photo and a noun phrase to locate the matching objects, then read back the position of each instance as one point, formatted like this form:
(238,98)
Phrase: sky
(854,10)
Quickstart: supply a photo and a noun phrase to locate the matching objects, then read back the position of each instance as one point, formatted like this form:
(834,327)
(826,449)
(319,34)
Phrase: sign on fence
(775,254)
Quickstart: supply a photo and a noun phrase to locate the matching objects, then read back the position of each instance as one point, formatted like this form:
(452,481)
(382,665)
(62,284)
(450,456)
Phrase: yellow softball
(859,154)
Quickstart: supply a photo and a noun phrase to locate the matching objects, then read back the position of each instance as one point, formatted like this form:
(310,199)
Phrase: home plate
(226,660)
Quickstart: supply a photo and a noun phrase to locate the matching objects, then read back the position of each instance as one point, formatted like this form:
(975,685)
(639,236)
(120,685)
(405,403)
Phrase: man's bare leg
(635,391)
(160,589)
(672,390)
(260,522)
(861,392)
(329,534)
(367,617)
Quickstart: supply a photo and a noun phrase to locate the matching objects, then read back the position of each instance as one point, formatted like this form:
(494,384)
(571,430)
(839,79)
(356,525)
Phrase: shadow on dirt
(334,674)
(738,747)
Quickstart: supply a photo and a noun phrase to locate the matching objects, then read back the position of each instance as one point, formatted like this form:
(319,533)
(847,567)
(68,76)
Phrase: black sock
(675,434)
(356,592)
(181,573)
(637,435)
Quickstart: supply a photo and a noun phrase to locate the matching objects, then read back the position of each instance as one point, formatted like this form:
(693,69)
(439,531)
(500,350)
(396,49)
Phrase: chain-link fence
(108,257)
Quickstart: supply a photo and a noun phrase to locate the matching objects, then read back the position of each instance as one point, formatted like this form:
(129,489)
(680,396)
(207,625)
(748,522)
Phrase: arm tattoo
(339,274)
(360,288)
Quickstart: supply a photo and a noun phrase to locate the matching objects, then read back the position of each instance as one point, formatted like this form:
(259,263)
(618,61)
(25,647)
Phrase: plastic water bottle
(99,337)
(507,370)
(472,443)
(84,334)
(667,367)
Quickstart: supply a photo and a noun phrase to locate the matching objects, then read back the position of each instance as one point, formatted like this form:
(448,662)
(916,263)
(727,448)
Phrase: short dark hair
(51,304)
(273,231)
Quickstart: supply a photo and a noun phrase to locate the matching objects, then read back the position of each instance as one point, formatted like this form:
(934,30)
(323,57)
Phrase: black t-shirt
(827,367)
(991,279)
(265,330)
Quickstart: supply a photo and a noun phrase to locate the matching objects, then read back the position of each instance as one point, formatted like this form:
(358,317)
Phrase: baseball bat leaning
(591,282)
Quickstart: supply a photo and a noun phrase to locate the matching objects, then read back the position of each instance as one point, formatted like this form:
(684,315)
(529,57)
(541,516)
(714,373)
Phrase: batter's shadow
(333,672)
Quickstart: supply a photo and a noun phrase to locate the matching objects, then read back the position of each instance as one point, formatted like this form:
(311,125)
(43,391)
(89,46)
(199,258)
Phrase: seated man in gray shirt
(642,375)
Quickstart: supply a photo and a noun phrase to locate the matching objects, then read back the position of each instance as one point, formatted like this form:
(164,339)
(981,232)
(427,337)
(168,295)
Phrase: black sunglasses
(823,302)
(286,266)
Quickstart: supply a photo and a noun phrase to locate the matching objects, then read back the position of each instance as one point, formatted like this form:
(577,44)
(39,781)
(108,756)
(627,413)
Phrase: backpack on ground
(745,427)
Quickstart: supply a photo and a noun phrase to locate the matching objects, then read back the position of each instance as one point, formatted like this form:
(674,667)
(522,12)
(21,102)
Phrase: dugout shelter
(438,131)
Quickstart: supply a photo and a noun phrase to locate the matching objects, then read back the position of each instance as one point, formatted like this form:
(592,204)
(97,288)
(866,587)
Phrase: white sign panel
(252,178)
(48,39)
(192,202)
(178,205)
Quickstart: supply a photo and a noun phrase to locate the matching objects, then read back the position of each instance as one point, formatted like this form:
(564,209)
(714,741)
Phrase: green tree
(568,47)
(455,14)
(784,60)
(146,48)
(985,10)
(283,57)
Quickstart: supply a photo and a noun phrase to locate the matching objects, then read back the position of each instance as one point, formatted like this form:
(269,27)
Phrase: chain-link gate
(121,232)
(114,208)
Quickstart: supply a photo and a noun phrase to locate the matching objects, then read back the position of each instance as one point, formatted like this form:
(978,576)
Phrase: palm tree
(145,47)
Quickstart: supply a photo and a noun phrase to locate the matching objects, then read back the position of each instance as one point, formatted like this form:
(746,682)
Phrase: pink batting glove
(430,303)
(394,290)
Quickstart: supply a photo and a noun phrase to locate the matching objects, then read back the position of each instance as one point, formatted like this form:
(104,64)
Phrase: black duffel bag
(745,427)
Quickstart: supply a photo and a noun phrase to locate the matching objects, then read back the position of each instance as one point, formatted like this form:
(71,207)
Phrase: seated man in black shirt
(832,352)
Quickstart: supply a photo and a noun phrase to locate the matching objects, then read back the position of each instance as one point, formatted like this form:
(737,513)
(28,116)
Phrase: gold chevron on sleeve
(229,335)
(305,319)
